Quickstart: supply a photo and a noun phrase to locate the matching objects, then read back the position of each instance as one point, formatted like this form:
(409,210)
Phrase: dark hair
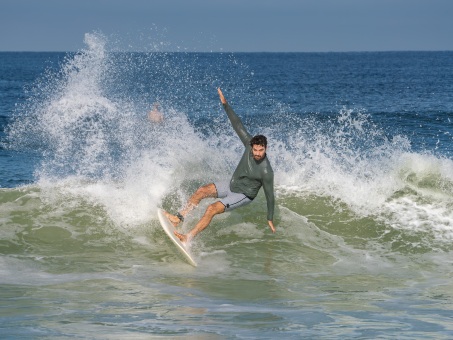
(259,140)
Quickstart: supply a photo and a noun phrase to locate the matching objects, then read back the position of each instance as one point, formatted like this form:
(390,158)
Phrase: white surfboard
(169,230)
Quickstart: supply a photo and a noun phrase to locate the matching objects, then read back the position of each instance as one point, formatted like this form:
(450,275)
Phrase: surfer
(253,172)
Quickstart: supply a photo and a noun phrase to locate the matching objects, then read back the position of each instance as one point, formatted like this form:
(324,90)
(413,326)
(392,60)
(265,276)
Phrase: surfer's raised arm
(236,122)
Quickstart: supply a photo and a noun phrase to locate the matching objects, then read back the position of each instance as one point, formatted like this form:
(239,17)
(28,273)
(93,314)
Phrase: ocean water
(361,146)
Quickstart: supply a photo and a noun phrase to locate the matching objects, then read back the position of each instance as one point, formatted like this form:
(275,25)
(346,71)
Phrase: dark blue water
(19,72)
(408,93)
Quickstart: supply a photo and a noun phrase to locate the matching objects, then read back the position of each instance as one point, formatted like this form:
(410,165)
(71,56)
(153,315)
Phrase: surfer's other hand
(271,225)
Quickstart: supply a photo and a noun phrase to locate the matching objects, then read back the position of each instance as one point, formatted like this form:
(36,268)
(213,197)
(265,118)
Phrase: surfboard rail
(169,230)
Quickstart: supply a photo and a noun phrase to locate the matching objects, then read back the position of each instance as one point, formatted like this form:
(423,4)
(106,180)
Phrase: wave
(105,164)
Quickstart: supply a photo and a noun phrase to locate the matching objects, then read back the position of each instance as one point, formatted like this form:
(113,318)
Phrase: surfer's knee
(215,208)
(208,190)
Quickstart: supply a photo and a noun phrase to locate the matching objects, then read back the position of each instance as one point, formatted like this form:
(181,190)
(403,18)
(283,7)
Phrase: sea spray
(97,143)
(346,157)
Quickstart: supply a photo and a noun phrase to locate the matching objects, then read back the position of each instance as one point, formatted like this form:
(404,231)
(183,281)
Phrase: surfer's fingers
(271,225)
(222,97)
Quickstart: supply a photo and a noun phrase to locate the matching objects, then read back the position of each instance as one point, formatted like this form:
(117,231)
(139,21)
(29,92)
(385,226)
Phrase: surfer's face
(258,152)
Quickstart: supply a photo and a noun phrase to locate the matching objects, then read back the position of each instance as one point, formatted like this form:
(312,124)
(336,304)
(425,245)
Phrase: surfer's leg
(212,210)
(208,190)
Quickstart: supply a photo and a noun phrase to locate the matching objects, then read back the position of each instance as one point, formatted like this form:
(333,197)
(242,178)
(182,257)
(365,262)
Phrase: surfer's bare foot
(183,238)
(172,218)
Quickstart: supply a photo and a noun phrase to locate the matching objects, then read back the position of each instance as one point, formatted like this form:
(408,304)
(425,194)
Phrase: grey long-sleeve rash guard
(250,174)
